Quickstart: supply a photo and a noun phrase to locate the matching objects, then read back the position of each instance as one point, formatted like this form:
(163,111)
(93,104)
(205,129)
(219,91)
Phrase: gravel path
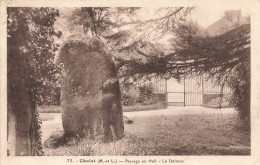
(51,126)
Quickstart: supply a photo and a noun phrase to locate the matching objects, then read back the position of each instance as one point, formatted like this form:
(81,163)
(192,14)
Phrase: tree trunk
(20,109)
(21,139)
(90,93)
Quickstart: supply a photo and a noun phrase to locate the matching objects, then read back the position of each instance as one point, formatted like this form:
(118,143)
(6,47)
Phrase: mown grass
(193,134)
(137,107)
(140,107)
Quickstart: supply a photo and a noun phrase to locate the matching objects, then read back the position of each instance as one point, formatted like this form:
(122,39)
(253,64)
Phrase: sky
(207,16)
(204,16)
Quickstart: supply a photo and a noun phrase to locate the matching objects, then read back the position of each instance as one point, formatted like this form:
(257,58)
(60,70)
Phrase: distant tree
(123,29)
(32,74)
(225,57)
(128,35)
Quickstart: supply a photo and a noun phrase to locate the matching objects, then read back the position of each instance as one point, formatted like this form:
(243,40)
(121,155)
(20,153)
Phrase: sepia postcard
(130,82)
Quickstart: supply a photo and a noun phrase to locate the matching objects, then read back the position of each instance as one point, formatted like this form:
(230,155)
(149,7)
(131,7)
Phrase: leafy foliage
(240,83)
(138,94)
(30,32)
(123,29)
(37,135)
(129,95)
(147,95)
(225,57)
(198,54)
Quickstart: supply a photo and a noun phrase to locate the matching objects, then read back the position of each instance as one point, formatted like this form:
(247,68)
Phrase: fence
(188,92)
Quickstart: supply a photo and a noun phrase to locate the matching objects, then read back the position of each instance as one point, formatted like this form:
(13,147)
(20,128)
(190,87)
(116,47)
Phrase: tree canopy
(30,32)
(125,31)
(31,71)
(198,54)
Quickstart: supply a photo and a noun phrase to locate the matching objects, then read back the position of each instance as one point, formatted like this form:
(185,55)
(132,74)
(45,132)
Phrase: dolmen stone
(90,92)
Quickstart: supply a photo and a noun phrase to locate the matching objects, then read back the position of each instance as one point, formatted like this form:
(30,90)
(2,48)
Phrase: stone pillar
(91,102)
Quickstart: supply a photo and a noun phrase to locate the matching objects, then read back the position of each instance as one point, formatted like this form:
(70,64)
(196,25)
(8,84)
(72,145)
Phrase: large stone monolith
(90,93)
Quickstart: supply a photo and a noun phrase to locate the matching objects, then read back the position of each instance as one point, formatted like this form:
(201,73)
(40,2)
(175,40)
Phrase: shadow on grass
(191,134)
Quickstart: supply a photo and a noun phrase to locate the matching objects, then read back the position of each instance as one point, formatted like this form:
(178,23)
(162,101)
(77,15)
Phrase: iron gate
(193,89)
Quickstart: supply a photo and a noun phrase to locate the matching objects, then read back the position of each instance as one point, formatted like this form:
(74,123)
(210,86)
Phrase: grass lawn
(183,134)
(137,107)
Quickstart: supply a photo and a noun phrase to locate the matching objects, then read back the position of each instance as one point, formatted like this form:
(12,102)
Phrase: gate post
(184,91)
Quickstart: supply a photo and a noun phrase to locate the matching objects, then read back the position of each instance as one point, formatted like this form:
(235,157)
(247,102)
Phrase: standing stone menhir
(90,92)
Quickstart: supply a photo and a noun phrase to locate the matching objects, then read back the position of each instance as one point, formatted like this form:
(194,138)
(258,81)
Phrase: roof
(226,23)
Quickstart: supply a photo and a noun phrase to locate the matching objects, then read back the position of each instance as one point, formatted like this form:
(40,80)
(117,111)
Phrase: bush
(240,84)
(129,95)
(144,94)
